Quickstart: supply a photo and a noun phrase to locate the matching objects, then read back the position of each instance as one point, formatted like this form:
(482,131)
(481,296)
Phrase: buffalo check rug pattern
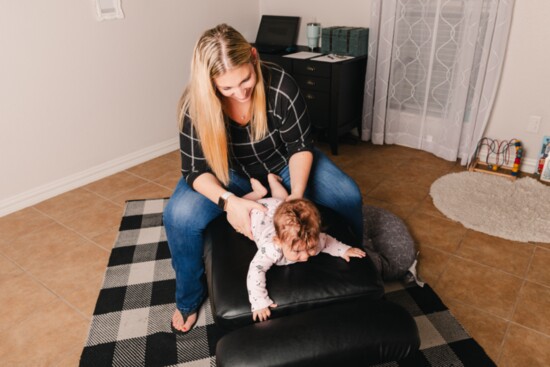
(131,321)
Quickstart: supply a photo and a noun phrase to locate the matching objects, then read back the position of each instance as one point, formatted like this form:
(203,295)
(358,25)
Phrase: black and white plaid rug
(131,322)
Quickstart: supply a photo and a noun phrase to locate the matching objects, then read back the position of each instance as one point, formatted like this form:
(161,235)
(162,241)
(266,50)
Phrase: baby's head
(297,227)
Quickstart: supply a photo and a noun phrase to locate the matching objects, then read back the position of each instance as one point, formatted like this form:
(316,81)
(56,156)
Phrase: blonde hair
(298,219)
(217,51)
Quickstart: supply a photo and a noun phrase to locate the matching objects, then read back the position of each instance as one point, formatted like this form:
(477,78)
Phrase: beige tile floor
(53,257)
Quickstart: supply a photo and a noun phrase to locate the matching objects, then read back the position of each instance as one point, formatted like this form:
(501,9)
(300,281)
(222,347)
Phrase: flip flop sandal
(181,332)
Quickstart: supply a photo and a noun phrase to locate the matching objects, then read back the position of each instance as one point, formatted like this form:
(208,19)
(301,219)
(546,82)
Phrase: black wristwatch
(222,201)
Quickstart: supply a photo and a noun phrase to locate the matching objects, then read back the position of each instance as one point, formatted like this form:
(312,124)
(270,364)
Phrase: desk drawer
(315,68)
(313,83)
(283,62)
(318,106)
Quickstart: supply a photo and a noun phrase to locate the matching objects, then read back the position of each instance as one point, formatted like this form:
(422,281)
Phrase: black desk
(333,92)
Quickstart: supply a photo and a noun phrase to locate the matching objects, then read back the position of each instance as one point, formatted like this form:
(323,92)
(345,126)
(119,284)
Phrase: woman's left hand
(299,167)
(238,214)
(294,196)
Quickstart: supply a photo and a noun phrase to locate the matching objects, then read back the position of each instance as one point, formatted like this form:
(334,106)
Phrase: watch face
(221,203)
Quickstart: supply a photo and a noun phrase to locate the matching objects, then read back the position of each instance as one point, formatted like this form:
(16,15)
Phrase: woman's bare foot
(276,186)
(179,324)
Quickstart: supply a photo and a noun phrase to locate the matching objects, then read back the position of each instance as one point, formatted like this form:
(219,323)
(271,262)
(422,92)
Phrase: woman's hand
(263,314)
(299,167)
(238,214)
(294,196)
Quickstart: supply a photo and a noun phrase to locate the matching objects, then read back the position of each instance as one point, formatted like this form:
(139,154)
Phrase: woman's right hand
(238,214)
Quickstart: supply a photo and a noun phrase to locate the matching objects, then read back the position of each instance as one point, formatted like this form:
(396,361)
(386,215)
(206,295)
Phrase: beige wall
(82,99)
(525,80)
(328,13)
(525,83)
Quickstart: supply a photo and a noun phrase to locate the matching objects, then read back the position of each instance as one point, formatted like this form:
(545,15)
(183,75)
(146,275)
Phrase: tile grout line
(515,306)
(486,265)
(415,210)
(74,230)
(51,291)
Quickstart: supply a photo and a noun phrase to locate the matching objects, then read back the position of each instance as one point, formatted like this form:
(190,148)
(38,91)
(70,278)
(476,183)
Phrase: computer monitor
(277,33)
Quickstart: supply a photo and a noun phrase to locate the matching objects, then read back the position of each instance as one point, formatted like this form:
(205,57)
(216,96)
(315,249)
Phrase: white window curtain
(433,71)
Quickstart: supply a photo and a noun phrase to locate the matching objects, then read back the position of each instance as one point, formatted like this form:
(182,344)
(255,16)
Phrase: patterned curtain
(433,71)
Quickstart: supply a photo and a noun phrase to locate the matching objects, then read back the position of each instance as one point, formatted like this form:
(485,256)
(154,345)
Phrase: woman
(240,119)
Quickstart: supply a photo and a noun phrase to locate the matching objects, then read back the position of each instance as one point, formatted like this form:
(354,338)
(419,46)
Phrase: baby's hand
(263,314)
(353,252)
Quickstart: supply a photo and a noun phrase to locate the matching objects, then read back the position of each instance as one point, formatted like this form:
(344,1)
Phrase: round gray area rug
(516,210)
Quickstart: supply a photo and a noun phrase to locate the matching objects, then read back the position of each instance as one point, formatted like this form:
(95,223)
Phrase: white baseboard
(44,192)
(528,165)
(49,190)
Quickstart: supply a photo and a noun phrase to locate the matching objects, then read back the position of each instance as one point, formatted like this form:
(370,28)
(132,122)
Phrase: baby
(288,232)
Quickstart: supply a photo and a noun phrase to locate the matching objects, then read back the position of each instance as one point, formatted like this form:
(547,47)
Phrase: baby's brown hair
(298,219)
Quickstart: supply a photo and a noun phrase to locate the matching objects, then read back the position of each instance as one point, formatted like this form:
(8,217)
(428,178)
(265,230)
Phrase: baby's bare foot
(258,188)
(276,186)
(273,179)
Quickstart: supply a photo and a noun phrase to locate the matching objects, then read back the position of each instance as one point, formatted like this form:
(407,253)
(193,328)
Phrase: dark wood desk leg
(336,81)
(333,146)
(333,137)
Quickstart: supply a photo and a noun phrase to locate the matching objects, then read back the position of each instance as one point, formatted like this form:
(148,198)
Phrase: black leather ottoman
(320,281)
(357,333)
(328,309)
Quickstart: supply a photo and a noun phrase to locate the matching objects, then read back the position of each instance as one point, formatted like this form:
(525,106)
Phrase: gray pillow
(388,242)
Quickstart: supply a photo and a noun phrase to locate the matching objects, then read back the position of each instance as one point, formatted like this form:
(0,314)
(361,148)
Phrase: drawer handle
(311,97)
(310,82)
(310,68)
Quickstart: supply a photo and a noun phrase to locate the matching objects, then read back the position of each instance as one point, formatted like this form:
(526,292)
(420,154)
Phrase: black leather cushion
(357,333)
(320,281)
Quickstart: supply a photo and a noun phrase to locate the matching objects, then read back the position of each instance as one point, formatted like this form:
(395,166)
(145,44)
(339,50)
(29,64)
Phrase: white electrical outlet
(109,9)
(534,124)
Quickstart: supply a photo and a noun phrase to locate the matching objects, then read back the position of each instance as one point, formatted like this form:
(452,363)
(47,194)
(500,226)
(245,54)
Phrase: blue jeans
(188,213)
